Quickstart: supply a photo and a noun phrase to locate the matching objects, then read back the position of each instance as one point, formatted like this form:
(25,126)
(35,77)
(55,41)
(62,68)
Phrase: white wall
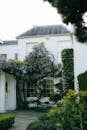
(2,92)
(11,94)
(21,49)
(80,58)
(54,44)
(10,50)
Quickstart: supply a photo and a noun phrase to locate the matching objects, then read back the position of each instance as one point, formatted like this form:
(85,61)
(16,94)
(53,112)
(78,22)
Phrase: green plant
(67,69)
(70,115)
(6,121)
(37,125)
(82,80)
(73,113)
(37,65)
(43,123)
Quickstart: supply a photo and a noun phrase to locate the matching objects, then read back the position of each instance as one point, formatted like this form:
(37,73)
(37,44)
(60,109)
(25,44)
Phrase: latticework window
(31,91)
(48,88)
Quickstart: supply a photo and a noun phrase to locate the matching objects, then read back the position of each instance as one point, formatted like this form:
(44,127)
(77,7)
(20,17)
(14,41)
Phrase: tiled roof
(9,42)
(45,30)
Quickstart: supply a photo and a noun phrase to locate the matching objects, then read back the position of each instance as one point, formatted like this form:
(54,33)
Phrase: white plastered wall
(54,44)
(80,58)
(10,50)
(10,102)
(2,92)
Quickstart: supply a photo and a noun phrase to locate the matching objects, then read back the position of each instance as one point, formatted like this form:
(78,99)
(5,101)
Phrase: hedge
(82,80)
(68,69)
(6,121)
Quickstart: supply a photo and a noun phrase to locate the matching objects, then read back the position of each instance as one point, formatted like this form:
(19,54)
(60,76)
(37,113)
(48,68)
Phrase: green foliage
(70,115)
(37,65)
(73,11)
(82,80)
(83,96)
(77,102)
(12,67)
(6,121)
(17,69)
(40,67)
(68,69)
(35,126)
(44,123)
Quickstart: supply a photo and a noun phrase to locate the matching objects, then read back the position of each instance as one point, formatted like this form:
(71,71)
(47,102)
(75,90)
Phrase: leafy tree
(73,11)
(39,64)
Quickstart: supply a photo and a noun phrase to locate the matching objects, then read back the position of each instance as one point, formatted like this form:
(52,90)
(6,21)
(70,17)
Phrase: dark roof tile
(9,42)
(45,30)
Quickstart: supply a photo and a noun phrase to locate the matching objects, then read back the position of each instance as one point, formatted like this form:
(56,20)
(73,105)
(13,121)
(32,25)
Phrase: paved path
(23,118)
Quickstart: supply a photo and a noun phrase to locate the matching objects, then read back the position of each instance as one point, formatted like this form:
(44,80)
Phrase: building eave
(36,36)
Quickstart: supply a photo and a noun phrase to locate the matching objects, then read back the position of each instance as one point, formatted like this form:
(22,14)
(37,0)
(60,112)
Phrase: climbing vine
(17,69)
(37,65)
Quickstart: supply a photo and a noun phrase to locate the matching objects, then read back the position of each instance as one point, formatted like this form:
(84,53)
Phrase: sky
(17,16)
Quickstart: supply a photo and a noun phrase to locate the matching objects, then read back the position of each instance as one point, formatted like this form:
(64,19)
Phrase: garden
(35,77)
(69,114)
(65,109)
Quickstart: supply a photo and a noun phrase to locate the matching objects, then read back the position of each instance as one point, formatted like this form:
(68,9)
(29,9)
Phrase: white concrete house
(55,38)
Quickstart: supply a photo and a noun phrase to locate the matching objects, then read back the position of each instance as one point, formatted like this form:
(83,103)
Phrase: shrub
(6,121)
(73,113)
(82,80)
(68,69)
(39,125)
(43,123)
(70,115)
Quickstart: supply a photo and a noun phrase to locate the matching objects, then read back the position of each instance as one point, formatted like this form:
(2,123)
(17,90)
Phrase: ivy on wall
(68,69)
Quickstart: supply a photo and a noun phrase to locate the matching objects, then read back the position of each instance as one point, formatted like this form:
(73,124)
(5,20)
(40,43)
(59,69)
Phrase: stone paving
(23,118)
